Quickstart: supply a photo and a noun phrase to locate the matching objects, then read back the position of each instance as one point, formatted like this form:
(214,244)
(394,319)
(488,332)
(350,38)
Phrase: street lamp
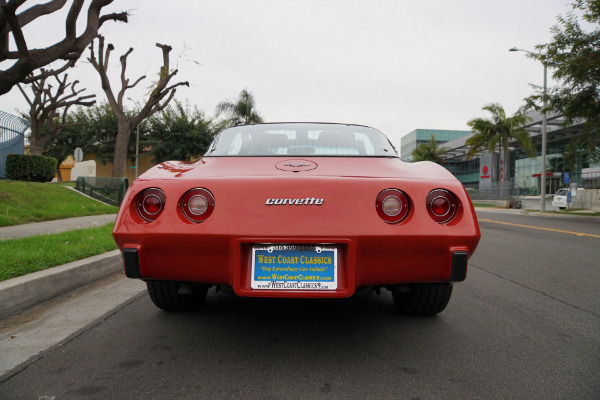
(544,124)
(137,145)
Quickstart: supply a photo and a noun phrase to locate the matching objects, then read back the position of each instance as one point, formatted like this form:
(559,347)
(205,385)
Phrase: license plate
(294,267)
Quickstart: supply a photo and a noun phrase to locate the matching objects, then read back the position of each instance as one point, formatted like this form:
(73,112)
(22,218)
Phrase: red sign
(485,172)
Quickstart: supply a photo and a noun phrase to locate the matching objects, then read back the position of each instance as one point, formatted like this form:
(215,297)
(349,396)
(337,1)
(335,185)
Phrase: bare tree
(157,100)
(51,107)
(69,49)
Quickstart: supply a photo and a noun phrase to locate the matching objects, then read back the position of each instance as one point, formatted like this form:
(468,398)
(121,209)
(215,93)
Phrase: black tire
(423,298)
(165,295)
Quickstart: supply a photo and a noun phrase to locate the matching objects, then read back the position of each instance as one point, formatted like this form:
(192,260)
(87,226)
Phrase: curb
(19,294)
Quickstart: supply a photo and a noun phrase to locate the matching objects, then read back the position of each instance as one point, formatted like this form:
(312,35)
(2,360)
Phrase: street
(525,325)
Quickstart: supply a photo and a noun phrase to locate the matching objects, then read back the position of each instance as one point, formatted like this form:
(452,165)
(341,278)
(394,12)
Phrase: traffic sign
(78,154)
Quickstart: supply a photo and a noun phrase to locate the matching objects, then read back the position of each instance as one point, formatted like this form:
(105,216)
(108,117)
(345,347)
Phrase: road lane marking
(539,228)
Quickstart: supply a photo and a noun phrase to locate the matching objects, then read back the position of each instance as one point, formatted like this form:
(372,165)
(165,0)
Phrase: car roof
(307,123)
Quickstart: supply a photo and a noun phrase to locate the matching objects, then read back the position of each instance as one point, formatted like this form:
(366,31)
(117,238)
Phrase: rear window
(301,139)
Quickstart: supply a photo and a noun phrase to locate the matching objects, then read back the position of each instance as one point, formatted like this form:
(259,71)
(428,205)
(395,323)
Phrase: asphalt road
(524,325)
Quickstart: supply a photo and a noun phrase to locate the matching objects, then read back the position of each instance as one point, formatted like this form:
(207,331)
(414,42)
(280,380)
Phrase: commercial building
(412,140)
(487,171)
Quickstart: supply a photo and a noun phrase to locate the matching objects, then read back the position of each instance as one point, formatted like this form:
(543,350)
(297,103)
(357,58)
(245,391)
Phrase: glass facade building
(466,171)
(413,139)
(518,170)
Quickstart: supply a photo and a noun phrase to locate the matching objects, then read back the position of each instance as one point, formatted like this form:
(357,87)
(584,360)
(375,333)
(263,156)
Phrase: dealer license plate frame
(294,267)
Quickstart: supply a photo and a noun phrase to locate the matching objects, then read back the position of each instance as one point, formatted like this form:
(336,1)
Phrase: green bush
(30,168)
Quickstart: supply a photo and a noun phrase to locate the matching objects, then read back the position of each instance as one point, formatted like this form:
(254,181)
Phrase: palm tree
(429,152)
(499,130)
(242,112)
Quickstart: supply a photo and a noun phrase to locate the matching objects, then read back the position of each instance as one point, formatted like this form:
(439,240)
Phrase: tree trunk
(58,175)
(35,148)
(121,144)
(38,143)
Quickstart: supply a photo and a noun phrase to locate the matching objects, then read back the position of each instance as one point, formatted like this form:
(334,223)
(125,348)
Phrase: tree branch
(45,104)
(38,10)
(71,22)
(70,48)
(13,24)
(49,73)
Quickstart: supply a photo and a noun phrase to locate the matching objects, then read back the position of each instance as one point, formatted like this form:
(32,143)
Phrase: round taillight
(197,204)
(392,205)
(151,203)
(441,205)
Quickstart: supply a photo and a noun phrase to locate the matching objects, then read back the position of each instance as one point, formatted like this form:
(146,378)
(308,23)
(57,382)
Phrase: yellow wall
(145,163)
(65,168)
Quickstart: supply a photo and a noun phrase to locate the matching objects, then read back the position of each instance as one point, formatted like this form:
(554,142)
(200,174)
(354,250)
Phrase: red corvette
(298,210)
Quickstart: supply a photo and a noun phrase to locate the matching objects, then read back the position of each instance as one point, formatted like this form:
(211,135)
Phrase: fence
(12,137)
(107,190)
(496,191)
(510,190)
(585,181)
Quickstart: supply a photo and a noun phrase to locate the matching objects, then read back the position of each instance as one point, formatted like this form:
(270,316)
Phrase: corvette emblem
(296,165)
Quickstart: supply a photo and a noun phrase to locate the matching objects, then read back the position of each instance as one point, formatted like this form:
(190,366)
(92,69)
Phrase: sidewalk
(56,226)
(21,293)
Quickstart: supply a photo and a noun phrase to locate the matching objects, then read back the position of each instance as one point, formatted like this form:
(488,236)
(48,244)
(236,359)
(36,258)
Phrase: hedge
(30,168)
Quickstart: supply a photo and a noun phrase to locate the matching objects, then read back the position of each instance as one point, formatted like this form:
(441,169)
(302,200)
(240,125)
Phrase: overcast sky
(395,65)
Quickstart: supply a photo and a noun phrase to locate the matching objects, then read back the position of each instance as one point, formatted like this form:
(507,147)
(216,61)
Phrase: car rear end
(298,210)
(371,231)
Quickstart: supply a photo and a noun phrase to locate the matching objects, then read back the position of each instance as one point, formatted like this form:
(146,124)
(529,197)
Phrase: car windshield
(301,139)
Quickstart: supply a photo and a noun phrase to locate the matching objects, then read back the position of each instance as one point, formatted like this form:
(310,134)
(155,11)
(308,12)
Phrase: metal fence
(108,190)
(584,182)
(494,192)
(510,190)
(12,137)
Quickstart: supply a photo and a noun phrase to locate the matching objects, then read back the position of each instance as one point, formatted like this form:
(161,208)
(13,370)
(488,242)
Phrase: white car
(560,198)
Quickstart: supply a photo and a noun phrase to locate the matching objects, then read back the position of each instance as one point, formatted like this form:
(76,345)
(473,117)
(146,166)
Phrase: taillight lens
(441,205)
(151,203)
(197,204)
(392,205)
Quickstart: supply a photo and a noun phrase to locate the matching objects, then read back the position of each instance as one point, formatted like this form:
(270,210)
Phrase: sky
(395,65)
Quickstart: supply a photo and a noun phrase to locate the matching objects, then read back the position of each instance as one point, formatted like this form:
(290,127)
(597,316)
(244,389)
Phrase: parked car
(300,210)
(560,198)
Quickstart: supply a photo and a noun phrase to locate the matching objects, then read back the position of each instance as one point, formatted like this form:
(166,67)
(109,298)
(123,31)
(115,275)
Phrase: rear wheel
(176,296)
(422,298)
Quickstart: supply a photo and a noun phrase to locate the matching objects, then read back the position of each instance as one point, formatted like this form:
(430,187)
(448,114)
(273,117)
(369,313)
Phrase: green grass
(575,211)
(569,212)
(25,202)
(64,183)
(26,255)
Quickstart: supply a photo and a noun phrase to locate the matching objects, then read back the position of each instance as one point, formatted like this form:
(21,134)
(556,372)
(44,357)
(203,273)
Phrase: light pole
(137,145)
(137,149)
(544,127)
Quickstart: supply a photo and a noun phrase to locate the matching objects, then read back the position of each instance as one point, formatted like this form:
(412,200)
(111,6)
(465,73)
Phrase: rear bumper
(559,201)
(361,262)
